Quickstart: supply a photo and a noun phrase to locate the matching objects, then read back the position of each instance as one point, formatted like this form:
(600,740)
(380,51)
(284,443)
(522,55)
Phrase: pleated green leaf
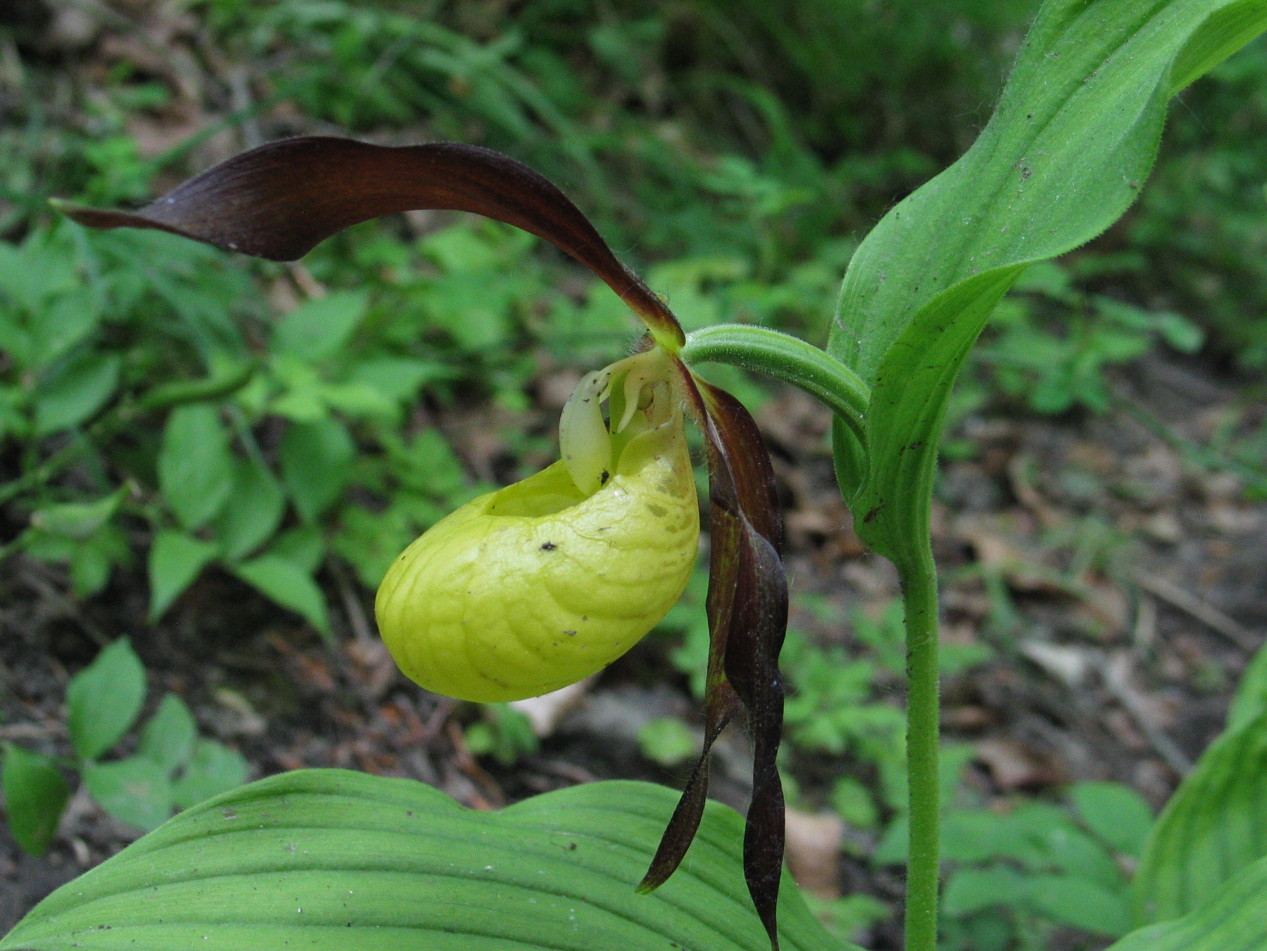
(1066,152)
(1214,826)
(1235,919)
(328,859)
(1251,693)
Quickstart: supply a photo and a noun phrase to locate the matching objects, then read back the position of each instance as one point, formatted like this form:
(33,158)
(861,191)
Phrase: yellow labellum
(536,586)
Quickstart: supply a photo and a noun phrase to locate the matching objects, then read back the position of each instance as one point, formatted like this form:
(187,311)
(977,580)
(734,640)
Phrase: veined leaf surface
(328,859)
(1066,152)
(1214,826)
(1233,919)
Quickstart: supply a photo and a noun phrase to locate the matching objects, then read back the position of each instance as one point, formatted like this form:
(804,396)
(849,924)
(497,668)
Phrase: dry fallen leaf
(813,851)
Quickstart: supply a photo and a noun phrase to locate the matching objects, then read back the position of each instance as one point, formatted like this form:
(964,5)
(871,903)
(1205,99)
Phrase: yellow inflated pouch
(542,583)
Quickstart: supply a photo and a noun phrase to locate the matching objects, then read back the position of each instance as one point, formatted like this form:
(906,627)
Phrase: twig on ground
(353,607)
(1117,680)
(1203,611)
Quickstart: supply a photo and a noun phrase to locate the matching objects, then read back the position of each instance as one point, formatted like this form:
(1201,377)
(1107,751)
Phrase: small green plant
(501,732)
(171,768)
(1050,345)
(254,469)
(1018,871)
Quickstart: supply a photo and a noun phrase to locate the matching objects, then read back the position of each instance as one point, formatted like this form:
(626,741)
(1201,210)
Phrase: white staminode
(585,436)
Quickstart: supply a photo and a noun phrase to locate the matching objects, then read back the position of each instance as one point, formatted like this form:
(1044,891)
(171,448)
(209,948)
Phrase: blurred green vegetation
(166,410)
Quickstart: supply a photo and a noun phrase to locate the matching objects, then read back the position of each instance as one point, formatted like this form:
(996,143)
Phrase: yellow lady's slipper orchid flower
(542,583)
(537,585)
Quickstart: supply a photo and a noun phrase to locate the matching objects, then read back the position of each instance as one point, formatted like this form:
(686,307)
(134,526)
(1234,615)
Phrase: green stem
(923,725)
(786,358)
(804,365)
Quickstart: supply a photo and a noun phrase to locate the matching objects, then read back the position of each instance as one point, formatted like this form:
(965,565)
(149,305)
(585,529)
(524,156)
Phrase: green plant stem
(786,358)
(804,365)
(923,727)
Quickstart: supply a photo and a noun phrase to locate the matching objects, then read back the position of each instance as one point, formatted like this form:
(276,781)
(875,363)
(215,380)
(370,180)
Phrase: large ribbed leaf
(327,859)
(1233,919)
(1213,827)
(1066,152)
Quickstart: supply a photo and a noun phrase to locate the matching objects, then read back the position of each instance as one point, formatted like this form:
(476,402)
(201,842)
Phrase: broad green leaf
(104,699)
(319,328)
(254,511)
(34,796)
(399,378)
(95,557)
(135,790)
(195,467)
(361,400)
(1226,31)
(224,380)
(1065,154)
(474,307)
(303,546)
(289,585)
(1251,692)
(78,520)
(971,890)
(212,769)
(63,322)
(168,738)
(175,561)
(327,859)
(1232,919)
(48,266)
(1073,851)
(1063,898)
(75,391)
(1211,829)
(1079,903)
(91,559)
(1117,814)
(316,461)
(667,741)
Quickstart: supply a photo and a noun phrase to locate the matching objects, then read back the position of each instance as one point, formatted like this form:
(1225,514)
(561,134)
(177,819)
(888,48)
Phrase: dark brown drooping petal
(747,611)
(280,200)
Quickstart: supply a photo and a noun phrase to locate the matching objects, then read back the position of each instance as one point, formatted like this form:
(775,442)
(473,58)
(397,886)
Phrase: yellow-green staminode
(540,584)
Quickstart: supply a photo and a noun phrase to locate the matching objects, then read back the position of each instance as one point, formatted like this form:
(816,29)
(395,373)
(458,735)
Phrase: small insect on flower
(542,583)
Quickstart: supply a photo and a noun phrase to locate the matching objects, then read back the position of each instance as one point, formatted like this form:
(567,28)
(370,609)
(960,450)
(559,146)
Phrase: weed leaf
(287,584)
(35,794)
(316,462)
(104,699)
(195,466)
(175,560)
(135,790)
(168,738)
(213,768)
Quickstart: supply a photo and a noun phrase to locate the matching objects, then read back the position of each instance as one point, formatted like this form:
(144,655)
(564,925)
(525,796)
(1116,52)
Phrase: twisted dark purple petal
(747,611)
(280,200)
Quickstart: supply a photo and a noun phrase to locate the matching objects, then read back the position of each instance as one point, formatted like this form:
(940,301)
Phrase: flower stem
(794,361)
(786,358)
(923,716)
